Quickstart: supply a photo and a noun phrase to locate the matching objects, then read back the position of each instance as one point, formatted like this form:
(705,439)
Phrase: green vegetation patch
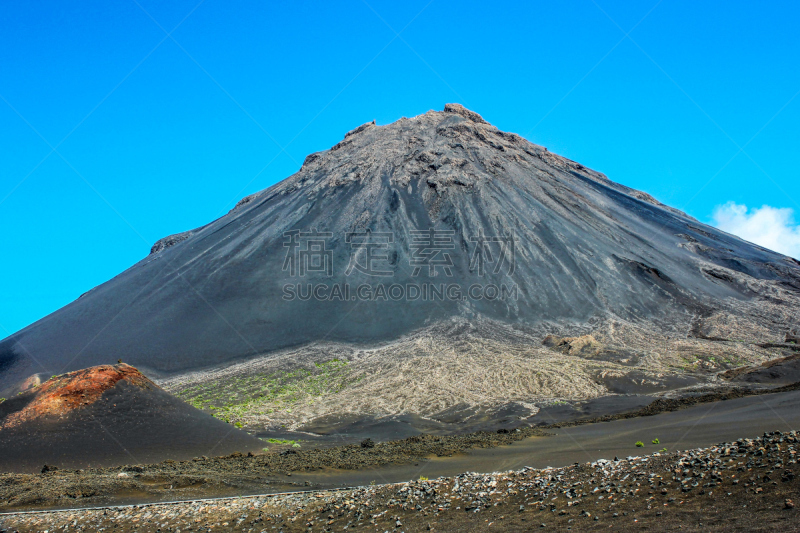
(236,398)
(283,441)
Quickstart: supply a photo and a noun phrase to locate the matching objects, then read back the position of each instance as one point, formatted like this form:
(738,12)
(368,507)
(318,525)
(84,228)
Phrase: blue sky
(162,115)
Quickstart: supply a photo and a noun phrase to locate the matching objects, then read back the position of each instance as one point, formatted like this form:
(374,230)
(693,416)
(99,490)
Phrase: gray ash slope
(590,253)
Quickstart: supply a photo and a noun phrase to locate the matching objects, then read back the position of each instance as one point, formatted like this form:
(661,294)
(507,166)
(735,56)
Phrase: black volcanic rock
(585,250)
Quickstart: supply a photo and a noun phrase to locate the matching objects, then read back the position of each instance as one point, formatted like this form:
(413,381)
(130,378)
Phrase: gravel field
(680,423)
(747,485)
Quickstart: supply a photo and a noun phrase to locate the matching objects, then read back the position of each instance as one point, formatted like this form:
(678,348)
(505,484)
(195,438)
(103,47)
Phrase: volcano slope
(498,277)
(107,415)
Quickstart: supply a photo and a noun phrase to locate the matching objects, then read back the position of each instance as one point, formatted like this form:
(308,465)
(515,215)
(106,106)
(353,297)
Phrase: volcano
(107,415)
(434,267)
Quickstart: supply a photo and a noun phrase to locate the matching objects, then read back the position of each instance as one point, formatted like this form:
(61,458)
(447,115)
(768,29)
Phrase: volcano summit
(435,267)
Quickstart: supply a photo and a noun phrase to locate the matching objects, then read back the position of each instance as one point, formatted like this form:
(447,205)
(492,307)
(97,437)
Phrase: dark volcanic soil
(332,431)
(746,485)
(781,371)
(242,474)
(236,473)
(107,415)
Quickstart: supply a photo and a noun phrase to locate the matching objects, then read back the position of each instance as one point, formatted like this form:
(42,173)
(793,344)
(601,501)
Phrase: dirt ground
(241,474)
(747,485)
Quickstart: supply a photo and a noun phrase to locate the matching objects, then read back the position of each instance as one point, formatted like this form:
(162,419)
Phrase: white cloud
(770,227)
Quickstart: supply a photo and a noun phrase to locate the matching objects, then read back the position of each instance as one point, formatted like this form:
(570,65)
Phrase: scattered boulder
(584,346)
